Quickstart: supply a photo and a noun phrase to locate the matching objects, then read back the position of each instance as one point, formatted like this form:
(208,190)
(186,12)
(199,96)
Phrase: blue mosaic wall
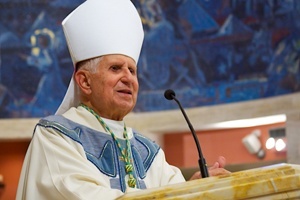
(209,51)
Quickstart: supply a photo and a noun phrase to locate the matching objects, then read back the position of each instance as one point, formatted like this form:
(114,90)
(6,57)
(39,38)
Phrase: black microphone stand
(201,161)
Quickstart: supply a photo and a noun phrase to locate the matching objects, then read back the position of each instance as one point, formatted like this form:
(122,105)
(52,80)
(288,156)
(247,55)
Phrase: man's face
(114,86)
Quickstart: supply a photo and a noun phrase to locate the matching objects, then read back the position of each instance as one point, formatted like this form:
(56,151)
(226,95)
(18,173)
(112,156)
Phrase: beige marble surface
(281,181)
(293,137)
(17,129)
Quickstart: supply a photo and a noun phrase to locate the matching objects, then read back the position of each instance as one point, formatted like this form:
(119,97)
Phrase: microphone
(170,95)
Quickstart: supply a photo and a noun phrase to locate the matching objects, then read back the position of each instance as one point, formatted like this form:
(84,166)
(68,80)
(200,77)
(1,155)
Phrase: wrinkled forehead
(110,59)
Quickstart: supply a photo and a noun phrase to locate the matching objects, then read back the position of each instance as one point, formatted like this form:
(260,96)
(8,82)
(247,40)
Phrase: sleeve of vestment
(161,173)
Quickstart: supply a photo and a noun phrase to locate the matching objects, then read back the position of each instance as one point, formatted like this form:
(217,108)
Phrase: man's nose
(127,76)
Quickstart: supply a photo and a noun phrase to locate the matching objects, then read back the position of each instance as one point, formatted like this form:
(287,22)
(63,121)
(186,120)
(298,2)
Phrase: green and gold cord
(125,152)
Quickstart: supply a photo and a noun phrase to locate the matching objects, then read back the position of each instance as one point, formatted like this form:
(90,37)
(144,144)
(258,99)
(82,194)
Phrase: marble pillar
(293,137)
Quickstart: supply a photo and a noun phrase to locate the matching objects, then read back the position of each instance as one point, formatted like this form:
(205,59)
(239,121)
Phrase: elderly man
(86,151)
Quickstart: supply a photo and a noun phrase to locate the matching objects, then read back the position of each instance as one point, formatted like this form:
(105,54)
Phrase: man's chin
(125,107)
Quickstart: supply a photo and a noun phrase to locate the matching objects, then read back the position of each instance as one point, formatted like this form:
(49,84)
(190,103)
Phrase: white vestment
(56,166)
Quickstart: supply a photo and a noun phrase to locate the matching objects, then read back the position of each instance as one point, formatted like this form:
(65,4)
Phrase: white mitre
(100,27)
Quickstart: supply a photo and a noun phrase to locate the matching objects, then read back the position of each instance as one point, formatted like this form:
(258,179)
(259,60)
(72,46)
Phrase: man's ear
(82,78)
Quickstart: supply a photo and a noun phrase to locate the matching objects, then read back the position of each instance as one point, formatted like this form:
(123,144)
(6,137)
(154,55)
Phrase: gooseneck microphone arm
(170,95)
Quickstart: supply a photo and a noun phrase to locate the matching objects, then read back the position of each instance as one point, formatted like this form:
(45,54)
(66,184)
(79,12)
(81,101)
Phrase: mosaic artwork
(208,51)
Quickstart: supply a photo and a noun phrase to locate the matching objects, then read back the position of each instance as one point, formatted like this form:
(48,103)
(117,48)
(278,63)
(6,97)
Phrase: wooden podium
(280,181)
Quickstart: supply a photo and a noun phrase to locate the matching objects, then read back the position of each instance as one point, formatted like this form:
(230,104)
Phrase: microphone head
(169,94)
